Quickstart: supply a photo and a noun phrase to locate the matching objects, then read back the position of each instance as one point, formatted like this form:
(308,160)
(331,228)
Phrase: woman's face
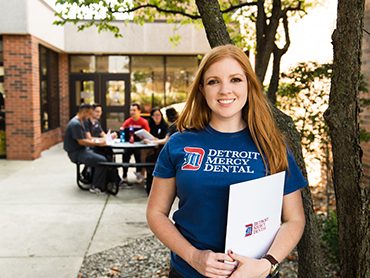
(157,117)
(225,89)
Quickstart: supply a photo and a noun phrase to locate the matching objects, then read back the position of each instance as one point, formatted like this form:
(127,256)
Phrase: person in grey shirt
(77,145)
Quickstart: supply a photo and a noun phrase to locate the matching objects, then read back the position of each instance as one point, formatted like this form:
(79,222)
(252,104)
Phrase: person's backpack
(113,181)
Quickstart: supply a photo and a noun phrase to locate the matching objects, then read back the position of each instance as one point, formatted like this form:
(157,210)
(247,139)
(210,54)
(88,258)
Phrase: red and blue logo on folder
(248,230)
(193,158)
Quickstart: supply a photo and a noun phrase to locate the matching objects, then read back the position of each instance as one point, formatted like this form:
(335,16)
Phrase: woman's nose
(225,87)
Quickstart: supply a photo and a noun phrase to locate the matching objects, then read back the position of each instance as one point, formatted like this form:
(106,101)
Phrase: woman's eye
(212,82)
(236,80)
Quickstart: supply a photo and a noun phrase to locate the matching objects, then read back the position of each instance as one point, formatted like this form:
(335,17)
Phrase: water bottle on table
(122,134)
(131,133)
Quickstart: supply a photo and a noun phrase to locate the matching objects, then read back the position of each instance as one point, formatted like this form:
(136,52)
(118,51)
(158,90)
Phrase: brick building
(46,71)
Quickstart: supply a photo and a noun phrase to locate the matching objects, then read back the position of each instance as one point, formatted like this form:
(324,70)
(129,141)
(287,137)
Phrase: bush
(330,236)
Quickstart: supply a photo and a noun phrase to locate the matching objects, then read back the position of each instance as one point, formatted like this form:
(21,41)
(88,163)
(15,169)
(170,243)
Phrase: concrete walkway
(48,225)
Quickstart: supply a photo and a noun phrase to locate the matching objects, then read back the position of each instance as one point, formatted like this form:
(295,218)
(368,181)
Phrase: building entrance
(111,90)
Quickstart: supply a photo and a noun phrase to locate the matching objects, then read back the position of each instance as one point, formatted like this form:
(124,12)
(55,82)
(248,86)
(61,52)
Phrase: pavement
(48,225)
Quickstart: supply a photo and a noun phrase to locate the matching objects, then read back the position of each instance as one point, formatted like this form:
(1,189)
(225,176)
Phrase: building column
(22,102)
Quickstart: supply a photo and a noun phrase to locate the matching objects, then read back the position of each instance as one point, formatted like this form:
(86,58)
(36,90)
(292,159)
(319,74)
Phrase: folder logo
(193,158)
(248,230)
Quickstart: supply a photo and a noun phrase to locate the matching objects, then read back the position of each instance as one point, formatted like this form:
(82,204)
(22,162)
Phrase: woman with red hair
(226,135)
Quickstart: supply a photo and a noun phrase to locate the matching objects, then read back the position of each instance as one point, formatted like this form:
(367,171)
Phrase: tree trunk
(212,20)
(352,195)
(266,33)
(310,255)
(274,80)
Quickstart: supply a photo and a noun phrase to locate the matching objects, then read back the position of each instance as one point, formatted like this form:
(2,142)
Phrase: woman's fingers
(213,264)
(218,267)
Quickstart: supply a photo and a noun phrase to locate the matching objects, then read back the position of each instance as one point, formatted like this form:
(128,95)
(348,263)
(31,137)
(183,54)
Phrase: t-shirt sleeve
(77,132)
(146,125)
(87,126)
(99,129)
(126,123)
(165,167)
(294,178)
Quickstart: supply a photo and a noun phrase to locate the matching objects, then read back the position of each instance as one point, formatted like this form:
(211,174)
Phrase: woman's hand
(148,141)
(250,268)
(211,264)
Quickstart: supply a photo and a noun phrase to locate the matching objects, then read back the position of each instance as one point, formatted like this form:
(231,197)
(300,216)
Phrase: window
(83,64)
(179,75)
(49,89)
(112,64)
(147,81)
(106,64)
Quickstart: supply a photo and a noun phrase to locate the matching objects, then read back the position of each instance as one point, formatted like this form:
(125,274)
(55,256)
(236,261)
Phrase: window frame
(52,89)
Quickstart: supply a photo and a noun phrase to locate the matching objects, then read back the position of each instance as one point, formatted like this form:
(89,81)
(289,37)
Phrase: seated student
(94,130)
(78,147)
(136,122)
(172,115)
(158,126)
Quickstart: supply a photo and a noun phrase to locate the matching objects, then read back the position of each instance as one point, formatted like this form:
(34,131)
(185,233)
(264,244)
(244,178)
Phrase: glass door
(111,90)
(83,89)
(115,98)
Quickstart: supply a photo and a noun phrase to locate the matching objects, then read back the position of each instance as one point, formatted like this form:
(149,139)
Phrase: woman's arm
(286,239)
(292,228)
(161,198)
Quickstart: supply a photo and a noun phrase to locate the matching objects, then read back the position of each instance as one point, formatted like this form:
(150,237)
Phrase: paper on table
(143,134)
(108,138)
(254,215)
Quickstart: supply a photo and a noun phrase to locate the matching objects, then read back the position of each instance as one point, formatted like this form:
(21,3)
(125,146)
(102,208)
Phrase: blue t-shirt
(204,164)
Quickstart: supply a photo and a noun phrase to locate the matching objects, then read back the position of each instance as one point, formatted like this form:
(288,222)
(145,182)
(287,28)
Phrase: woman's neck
(228,126)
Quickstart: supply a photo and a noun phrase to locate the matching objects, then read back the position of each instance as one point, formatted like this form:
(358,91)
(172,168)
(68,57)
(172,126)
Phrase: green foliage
(364,135)
(240,22)
(330,236)
(304,95)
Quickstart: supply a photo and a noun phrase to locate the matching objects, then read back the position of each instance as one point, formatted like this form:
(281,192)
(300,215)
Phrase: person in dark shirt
(160,141)
(158,126)
(78,147)
(93,126)
(227,135)
(94,130)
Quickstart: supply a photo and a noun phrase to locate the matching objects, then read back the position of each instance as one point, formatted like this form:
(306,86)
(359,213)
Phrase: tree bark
(274,80)
(212,20)
(278,53)
(310,255)
(352,195)
(266,35)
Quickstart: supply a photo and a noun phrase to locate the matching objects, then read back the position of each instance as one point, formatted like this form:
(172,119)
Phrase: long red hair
(256,113)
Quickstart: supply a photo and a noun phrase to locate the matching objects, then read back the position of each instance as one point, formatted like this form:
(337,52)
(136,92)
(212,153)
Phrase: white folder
(108,138)
(254,215)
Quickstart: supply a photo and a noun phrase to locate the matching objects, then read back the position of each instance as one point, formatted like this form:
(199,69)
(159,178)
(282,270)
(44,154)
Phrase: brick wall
(63,91)
(365,111)
(24,138)
(19,84)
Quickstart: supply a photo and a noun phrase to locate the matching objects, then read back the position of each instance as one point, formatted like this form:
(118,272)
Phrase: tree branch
(159,9)
(296,8)
(241,5)
(277,54)
(287,36)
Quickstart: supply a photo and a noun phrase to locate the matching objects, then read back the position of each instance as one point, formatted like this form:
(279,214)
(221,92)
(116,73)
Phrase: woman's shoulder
(184,135)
